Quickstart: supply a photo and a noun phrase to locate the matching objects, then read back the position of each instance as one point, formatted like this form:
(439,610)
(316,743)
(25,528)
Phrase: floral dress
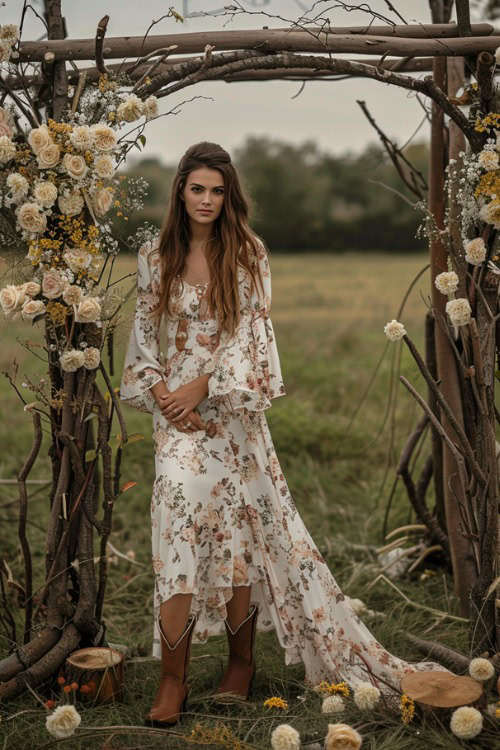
(221,511)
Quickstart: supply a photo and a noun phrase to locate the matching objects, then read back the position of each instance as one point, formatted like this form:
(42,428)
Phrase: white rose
(131,109)
(87,311)
(48,156)
(75,165)
(150,106)
(103,166)
(53,284)
(18,185)
(73,294)
(7,149)
(104,137)
(77,259)
(92,357)
(32,308)
(30,219)
(71,360)
(71,204)
(102,201)
(342,737)
(81,137)
(45,193)
(31,288)
(38,138)
(12,297)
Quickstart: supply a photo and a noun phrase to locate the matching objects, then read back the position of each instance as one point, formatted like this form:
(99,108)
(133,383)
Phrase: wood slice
(441,689)
(101,667)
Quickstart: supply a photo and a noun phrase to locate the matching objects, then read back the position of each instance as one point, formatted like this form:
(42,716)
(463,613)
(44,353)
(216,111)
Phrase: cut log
(99,668)
(441,689)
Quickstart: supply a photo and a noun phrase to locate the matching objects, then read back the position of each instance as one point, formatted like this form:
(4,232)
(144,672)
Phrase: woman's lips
(205,211)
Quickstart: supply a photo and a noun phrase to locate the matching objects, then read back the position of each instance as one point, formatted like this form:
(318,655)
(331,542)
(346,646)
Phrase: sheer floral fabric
(221,510)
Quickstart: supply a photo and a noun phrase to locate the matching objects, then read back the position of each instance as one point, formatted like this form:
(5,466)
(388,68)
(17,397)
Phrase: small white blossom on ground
(446,282)
(481,669)
(63,721)
(333,704)
(475,251)
(466,722)
(459,311)
(285,737)
(394,330)
(366,695)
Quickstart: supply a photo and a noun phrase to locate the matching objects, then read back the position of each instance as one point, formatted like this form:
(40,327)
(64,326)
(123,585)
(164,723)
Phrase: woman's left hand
(177,404)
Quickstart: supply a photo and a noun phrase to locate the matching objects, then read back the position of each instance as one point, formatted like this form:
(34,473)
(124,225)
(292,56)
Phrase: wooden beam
(264,40)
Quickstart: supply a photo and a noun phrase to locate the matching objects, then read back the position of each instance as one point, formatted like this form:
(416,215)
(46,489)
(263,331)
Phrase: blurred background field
(328,312)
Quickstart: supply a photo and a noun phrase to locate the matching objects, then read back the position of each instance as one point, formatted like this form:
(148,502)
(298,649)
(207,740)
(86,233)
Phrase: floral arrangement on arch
(58,185)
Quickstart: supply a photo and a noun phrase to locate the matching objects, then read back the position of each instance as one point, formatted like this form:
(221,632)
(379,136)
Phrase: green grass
(328,313)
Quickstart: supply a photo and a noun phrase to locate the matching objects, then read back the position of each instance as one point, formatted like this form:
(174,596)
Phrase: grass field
(328,314)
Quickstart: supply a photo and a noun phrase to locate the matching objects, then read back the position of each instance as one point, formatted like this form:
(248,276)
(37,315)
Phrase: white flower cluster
(394,330)
(72,359)
(366,696)
(459,311)
(446,282)
(132,108)
(63,721)
(333,704)
(9,34)
(285,737)
(481,669)
(466,722)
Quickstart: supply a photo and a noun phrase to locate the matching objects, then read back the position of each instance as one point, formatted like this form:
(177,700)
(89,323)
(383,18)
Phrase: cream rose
(92,357)
(342,737)
(38,138)
(104,137)
(53,284)
(73,294)
(12,297)
(71,204)
(87,311)
(71,360)
(151,107)
(45,193)
(32,308)
(48,157)
(30,219)
(102,201)
(75,166)
(77,259)
(103,166)
(31,288)
(7,149)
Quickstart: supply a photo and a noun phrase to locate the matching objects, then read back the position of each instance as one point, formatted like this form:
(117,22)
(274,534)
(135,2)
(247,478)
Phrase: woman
(228,544)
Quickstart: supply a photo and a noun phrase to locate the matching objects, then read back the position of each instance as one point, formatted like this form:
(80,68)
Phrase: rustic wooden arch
(165,64)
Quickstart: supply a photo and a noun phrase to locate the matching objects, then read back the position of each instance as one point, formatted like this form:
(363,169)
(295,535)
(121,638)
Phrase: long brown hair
(233,243)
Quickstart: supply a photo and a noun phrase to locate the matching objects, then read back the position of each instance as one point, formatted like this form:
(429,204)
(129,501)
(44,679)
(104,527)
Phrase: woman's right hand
(196,423)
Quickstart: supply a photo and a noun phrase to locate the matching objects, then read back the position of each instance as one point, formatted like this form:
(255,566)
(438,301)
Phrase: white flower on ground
(7,149)
(102,201)
(358,605)
(38,138)
(87,311)
(446,282)
(48,156)
(30,219)
(103,166)
(466,722)
(71,360)
(71,204)
(490,213)
(342,737)
(92,357)
(18,185)
(475,251)
(131,109)
(366,695)
(150,106)
(103,136)
(75,165)
(73,295)
(31,308)
(53,284)
(459,311)
(333,704)
(12,297)
(488,160)
(63,721)
(394,330)
(45,193)
(481,669)
(81,137)
(285,737)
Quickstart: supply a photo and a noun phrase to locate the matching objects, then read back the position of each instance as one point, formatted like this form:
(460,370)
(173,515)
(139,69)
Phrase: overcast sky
(326,112)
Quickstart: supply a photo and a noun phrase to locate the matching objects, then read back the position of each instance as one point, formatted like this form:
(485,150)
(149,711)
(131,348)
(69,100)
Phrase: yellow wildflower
(275,702)
(407,709)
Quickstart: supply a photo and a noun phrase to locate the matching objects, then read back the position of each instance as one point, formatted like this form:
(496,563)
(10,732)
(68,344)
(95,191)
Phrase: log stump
(441,690)
(98,671)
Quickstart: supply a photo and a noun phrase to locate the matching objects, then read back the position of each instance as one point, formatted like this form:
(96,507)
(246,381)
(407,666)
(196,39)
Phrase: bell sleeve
(246,367)
(143,362)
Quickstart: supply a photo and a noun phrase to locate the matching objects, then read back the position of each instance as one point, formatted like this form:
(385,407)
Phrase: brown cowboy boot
(240,671)
(172,694)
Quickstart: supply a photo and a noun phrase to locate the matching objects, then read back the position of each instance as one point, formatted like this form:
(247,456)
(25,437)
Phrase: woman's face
(204,189)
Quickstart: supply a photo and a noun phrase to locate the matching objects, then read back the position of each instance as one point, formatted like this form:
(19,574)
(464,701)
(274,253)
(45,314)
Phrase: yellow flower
(407,709)
(275,702)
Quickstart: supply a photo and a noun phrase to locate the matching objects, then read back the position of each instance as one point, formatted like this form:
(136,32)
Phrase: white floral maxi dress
(221,510)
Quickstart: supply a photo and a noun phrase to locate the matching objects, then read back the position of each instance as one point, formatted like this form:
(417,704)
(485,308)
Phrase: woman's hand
(196,421)
(177,405)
